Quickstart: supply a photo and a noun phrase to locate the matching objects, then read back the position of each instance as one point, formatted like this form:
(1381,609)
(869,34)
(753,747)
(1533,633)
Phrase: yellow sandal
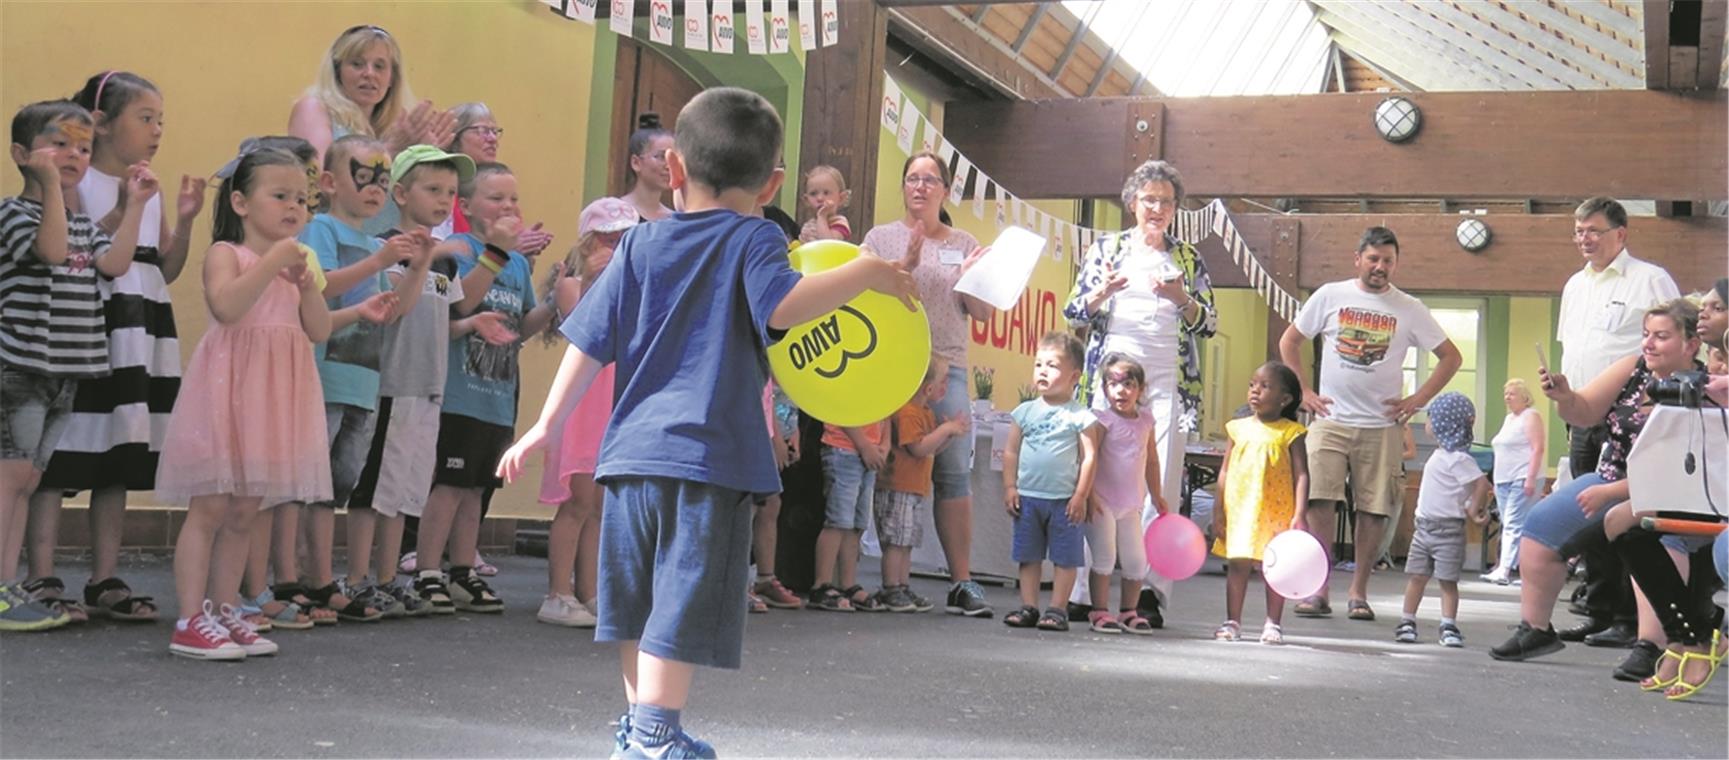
(1711,655)
(1653,683)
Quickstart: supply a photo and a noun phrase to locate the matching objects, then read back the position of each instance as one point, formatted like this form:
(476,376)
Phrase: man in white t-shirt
(1365,326)
(1602,309)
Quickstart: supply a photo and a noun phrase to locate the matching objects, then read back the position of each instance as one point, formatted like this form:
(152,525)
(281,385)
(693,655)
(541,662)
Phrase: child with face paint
(355,187)
(52,337)
(114,439)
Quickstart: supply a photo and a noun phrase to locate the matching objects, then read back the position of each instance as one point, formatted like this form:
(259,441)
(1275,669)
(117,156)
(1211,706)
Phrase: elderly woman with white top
(1146,294)
(1518,473)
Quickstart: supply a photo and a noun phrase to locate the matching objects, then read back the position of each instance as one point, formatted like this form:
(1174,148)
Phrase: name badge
(951,257)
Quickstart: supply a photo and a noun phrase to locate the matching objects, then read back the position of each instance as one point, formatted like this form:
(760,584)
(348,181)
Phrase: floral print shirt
(1106,255)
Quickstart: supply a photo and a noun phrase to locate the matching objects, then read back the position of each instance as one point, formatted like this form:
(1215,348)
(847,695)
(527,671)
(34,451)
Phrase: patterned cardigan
(1106,255)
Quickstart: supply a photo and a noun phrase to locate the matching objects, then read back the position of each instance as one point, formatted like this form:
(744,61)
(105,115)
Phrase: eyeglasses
(1151,202)
(914,180)
(485,131)
(1589,233)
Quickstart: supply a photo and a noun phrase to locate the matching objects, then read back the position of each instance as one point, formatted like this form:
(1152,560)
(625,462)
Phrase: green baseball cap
(415,155)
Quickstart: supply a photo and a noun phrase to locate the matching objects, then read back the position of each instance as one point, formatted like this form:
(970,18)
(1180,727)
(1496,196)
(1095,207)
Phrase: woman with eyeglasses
(936,255)
(646,172)
(360,89)
(476,134)
(1145,294)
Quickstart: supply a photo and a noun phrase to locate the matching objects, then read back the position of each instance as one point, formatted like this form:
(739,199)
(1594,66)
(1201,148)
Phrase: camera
(1683,389)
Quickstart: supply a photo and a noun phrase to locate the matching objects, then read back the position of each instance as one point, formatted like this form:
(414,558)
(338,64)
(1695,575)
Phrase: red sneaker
(777,595)
(242,633)
(202,638)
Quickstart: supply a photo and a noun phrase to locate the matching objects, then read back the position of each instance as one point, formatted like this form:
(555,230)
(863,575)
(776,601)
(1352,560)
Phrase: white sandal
(1271,633)
(1229,630)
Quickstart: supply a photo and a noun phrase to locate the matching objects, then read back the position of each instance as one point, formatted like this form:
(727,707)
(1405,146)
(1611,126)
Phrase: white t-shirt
(1448,477)
(1144,324)
(1364,338)
(1512,449)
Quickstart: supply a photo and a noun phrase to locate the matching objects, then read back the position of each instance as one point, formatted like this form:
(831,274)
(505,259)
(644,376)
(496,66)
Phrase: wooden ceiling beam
(1657,44)
(948,35)
(1075,40)
(1566,56)
(1032,25)
(1472,145)
(1711,29)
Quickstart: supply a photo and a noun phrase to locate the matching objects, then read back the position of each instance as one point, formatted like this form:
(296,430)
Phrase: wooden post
(843,92)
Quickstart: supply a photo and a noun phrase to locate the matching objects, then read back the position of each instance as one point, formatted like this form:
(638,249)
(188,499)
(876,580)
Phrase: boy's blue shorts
(674,564)
(1045,523)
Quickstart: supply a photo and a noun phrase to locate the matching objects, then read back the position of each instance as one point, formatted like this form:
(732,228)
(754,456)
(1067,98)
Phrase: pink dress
(249,421)
(576,450)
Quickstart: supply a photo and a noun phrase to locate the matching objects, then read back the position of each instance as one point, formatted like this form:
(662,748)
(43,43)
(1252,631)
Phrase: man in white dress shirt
(1602,310)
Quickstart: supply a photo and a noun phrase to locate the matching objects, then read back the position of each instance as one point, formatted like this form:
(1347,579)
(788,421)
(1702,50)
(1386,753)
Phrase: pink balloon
(1294,564)
(1175,547)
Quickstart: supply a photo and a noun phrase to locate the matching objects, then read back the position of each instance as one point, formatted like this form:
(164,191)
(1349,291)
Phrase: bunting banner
(830,22)
(711,25)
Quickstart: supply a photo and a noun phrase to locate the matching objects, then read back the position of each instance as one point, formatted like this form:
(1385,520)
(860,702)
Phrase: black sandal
(48,590)
(1054,620)
(1025,617)
(125,606)
(298,595)
(355,610)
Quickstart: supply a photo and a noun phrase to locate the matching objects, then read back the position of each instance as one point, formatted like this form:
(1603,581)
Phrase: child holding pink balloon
(1264,491)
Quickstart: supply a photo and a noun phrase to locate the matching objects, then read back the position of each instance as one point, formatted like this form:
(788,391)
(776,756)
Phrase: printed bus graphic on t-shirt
(1364,336)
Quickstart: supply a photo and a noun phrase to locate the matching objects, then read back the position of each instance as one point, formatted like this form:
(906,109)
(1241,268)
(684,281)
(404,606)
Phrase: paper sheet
(999,278)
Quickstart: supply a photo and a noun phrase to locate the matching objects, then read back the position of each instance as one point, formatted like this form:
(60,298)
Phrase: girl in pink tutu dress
(248,428)
(567,479)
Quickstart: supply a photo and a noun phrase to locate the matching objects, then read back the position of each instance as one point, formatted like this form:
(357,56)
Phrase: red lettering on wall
(1018,329)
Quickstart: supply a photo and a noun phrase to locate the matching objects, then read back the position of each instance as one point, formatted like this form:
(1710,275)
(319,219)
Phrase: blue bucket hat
(1451,416)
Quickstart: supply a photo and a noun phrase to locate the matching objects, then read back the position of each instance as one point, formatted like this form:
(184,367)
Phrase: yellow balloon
(857,364)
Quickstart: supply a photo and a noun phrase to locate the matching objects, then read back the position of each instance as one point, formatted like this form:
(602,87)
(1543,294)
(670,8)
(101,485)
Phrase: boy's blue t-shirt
(482,378)
(683,312)
(1050,462)
(348,362)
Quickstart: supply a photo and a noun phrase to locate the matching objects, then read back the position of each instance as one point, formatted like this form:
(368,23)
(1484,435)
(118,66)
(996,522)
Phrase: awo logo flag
(830,22)
(720,27)
(755,32)
(891,105)
(623,17)
(696,24)
(579,10)
(807,22)
(779,27)
(660,22)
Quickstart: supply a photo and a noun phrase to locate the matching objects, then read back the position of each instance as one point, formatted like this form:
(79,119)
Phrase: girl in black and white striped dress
(112,442)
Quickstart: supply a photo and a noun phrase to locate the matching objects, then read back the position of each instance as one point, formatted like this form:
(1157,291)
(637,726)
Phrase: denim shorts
(350,430)
(1044,523)
(674,565)
(1557,517)
(952,467)
(850,485)
(34,410)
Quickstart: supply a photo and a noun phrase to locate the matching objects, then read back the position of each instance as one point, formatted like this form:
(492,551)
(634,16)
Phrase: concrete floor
(852,685)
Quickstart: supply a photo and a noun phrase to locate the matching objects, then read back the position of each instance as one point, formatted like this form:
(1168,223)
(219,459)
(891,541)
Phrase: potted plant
(984,384)
(1027,393)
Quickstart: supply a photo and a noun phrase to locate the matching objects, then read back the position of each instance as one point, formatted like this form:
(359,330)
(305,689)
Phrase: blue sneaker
(680,745)
(621,737)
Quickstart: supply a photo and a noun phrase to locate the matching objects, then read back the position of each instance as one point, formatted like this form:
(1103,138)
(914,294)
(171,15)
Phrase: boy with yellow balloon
(685,305)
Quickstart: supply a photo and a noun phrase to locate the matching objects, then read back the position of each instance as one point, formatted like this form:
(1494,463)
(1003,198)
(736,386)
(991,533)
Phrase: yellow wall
(231,70)
(1231,356)
(1531,322)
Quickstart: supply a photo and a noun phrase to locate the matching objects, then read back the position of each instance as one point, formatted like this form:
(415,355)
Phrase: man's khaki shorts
(1372,456)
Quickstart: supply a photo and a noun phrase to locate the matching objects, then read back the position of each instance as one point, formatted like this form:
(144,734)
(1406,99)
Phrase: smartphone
(1542,358)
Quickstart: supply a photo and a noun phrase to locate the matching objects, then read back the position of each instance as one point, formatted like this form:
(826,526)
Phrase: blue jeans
(1515,508)
(851,486)
(952,467)
(1557,517)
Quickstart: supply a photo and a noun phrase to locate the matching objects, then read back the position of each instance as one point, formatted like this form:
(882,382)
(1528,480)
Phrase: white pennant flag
(755,28)
(892,105)
(580,10)
(1059,240)
(910,118)
(660,22)
(945,151)
(978,195)
(696,24)
(962,171)
(1019,211)
(623,17)
(1002,208)
(779,27)
(830,22)
(807,22)
(928,143)
(1075,244)
(720,27)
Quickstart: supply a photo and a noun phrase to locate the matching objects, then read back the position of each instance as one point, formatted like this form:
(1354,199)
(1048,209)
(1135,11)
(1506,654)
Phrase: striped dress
(115,434)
